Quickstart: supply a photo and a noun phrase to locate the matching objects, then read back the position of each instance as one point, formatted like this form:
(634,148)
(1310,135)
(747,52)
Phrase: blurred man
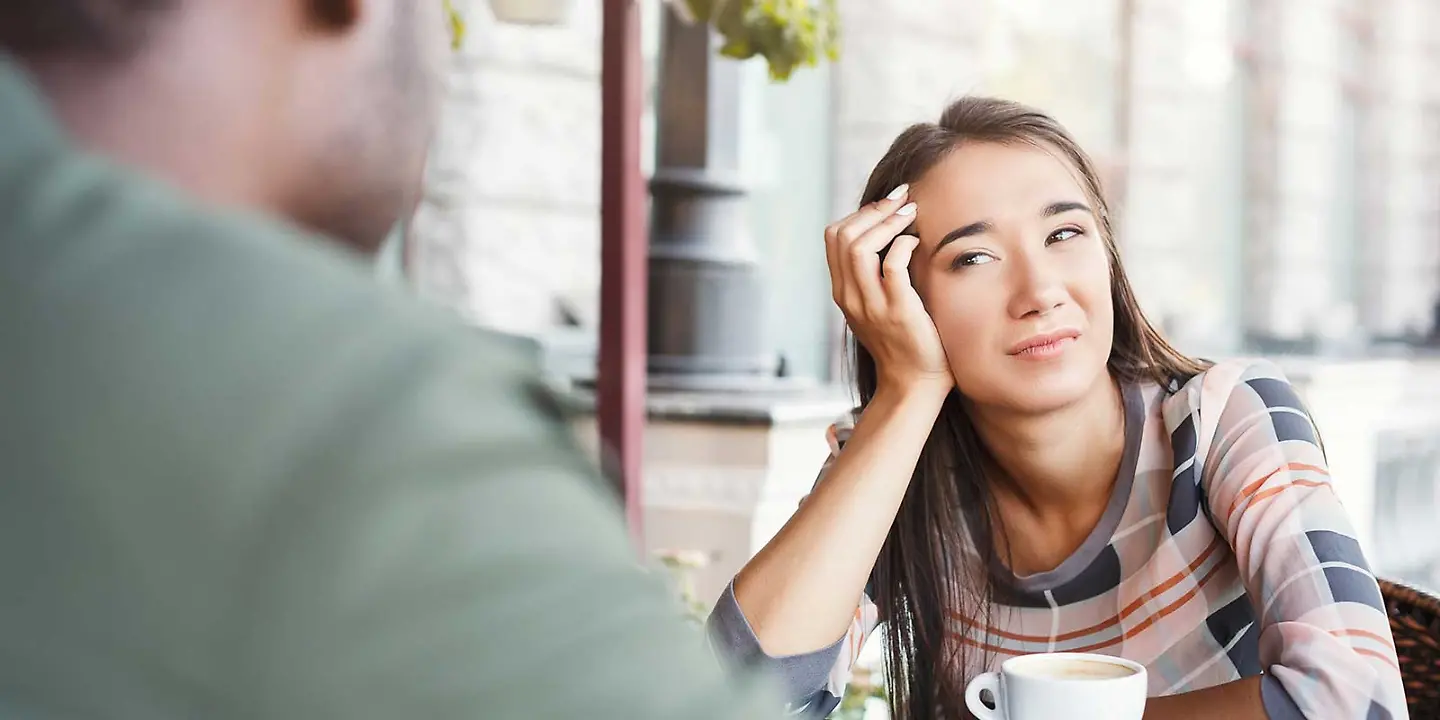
(239,479)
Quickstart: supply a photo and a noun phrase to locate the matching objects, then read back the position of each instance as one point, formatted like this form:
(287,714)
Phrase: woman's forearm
(1239,700)
(799,593)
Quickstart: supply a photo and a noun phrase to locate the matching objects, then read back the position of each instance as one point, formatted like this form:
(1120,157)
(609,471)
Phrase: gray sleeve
(1277,701)
(803,676)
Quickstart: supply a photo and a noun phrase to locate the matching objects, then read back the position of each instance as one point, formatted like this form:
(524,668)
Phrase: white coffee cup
(1073,686)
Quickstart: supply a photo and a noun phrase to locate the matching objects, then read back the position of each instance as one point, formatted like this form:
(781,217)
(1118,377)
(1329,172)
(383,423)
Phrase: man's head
(317,110)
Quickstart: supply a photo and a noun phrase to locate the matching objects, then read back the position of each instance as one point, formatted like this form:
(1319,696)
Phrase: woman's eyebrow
(1056,208)
(975,228)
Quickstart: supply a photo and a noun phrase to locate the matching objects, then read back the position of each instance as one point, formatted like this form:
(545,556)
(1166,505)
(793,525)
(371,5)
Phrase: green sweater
(243,480)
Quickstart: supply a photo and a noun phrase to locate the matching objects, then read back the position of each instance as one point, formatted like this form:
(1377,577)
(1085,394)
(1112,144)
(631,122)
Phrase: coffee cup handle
(988,681)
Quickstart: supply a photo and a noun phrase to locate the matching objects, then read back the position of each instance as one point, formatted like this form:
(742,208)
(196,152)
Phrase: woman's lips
(1045,345)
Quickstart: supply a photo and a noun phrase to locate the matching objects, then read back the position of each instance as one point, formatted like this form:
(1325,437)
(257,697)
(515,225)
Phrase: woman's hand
(880,305)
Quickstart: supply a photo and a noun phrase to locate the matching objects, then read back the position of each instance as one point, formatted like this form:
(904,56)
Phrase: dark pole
(620,381)
(706,314)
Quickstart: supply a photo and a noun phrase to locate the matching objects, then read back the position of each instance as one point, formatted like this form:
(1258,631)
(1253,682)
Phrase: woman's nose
(1038,285)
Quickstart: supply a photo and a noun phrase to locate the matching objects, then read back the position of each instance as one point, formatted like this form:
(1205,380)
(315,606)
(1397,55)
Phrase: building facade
(1273,167)
(1275,164)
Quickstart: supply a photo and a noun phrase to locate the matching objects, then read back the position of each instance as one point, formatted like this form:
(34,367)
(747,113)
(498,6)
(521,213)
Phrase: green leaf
(457,25)
(737,49)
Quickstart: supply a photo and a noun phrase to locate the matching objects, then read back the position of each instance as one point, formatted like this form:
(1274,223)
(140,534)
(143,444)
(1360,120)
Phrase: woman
(1034,468)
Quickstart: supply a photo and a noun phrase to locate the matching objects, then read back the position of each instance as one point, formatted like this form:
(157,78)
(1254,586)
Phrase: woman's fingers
(875,240)
(864,254)
(833,262)
(872,214)
(869,216)
(855,224)
(852,248)
(897,269)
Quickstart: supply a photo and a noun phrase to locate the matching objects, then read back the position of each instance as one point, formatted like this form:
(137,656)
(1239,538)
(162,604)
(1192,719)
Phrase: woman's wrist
(932,388)
(918,397)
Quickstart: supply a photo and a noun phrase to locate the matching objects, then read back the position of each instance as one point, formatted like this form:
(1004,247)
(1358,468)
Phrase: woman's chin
(1042,392)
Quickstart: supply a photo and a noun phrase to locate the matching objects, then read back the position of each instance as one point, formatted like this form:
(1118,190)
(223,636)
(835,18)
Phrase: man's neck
(155,115)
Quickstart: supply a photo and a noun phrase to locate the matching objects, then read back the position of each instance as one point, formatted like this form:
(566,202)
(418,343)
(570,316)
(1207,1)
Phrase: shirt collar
(24,112)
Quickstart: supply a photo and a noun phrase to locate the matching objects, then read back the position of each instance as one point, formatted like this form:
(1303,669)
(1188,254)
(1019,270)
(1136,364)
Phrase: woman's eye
(1062,234)
(973,258)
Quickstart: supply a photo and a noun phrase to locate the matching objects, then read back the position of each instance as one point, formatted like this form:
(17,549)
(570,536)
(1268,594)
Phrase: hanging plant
(789,34)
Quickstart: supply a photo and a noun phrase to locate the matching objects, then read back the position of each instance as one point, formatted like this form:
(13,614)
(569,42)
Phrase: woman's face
(1015,274)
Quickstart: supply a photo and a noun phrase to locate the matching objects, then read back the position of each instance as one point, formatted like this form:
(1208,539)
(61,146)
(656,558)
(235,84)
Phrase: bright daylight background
(1276,165)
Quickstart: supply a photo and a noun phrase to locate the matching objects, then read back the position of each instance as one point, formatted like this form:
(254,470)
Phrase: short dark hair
(91,29)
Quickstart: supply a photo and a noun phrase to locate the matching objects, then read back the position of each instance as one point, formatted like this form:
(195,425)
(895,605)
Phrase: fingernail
(908,209)
(898,192)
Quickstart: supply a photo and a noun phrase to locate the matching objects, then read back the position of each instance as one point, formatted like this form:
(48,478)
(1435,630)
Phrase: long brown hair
(920,577)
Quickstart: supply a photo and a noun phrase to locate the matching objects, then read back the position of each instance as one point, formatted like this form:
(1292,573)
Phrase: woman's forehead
(994,174)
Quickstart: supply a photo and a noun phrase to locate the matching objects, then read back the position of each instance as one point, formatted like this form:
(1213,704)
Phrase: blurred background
(1274,166)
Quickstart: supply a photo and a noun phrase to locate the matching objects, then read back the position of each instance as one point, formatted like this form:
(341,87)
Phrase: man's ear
(334,15)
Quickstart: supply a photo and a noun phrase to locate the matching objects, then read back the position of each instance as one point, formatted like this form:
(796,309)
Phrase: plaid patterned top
(1224,553)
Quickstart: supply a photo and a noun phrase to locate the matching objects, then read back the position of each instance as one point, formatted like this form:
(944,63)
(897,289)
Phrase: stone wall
(902,61)
(509,228)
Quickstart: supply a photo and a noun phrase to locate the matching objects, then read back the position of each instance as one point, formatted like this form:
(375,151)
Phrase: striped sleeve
(1325,640)
(814,682)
